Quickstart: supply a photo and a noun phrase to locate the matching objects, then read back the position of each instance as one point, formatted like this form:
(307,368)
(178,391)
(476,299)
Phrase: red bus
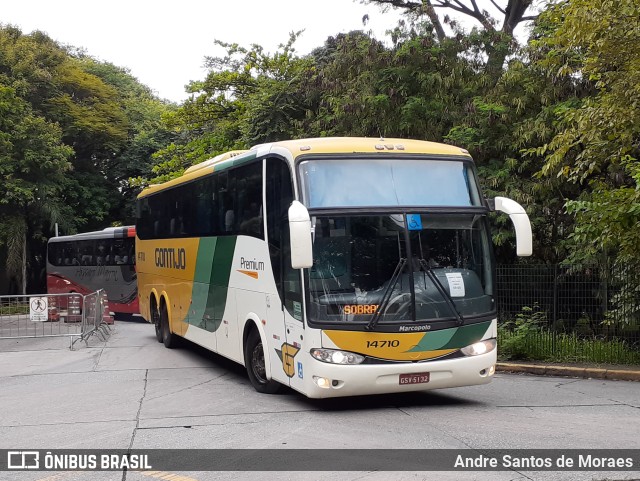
(86,262)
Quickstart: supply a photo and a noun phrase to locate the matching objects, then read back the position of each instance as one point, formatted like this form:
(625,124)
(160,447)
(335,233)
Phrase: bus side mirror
(520,219)
(300,235)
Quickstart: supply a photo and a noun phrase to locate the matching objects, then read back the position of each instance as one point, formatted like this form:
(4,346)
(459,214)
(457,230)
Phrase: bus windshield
(400,268)
(387,182)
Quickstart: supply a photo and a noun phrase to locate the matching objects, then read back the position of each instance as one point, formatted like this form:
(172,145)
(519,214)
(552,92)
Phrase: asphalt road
(131,392)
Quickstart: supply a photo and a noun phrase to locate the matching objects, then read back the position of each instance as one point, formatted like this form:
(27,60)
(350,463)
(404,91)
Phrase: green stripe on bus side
(453,338)
(211,281)
(199,313)
(204,264)
(234,161)
(243,159)
(219,280)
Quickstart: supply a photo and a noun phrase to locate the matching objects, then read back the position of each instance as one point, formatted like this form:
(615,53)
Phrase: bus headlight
(334,356)
(478,348)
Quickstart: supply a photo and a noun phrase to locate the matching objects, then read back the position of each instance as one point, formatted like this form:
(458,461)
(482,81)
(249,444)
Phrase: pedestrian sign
(38,309)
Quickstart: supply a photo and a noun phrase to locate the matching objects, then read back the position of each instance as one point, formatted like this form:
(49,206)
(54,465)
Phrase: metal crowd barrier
(55,315)
(96,319)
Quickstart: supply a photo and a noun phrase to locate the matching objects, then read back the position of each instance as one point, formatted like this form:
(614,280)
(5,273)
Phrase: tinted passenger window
(225,203)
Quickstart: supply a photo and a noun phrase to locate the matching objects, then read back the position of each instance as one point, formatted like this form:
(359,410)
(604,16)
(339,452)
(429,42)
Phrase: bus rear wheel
(169,339)
(256,367)
(155,319)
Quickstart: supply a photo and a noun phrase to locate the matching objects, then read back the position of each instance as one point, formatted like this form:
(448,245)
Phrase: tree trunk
(435,20)
(16,238)
(24,264)
(496,55)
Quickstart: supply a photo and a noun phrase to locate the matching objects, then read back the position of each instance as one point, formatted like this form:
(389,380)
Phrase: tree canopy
(596,145)
(553,123)
(73,131)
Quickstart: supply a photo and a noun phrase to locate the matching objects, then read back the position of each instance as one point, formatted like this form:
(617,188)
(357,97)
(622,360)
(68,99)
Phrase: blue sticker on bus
(414,221)
(300,370)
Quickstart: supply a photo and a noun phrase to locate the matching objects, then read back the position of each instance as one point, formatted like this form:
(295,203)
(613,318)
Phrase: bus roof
(107,233)
(321,145)
(364,145)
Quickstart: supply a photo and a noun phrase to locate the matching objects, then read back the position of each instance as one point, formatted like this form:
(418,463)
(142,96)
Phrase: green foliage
(526,339)
(33,162)
(13,309)
(32,157)
(248,97)
(498,43)
(515,334)
(146,134)
(417,89)
(597,142)
(557,129)
(422,87)
(352,85)
(72,132)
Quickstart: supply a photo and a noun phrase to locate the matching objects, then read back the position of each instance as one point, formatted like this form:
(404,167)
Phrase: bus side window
(200,221)
(279,195)
(131,252)
(55,254)
(229,217)
(101,254)
(249,200)
(224,193)
(68,255)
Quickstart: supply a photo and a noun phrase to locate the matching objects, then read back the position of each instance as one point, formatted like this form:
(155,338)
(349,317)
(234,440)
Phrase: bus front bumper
(326,380)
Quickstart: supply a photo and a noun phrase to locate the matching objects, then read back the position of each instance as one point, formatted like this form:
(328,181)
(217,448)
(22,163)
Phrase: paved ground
(132,392)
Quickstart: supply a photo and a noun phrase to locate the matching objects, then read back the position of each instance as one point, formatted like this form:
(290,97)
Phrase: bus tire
(169,339)
(255,364)
(155,318)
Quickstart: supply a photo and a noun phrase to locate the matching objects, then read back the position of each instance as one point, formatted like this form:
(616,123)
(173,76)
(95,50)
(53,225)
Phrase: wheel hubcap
(257,364)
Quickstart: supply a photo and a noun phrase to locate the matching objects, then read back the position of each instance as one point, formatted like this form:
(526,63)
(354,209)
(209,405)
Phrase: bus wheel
(169,339)
(255,364)
(155,318)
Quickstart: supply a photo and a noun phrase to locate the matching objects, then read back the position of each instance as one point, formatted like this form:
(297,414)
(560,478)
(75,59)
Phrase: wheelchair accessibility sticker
(414,221)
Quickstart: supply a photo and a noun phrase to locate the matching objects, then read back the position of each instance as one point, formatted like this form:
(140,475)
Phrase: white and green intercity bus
(334,266)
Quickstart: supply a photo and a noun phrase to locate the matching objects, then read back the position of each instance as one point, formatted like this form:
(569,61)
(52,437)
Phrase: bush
(526,338)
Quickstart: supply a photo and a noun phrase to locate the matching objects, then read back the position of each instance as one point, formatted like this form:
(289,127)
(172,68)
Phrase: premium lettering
(253,265)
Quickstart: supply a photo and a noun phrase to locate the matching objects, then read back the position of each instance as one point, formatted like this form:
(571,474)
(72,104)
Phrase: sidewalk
(613,373)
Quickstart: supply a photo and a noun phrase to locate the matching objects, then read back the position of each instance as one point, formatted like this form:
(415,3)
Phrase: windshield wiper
(386,297)
(443,292)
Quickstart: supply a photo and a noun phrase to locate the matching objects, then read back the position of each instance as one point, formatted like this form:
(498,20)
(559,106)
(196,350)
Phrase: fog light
(322,382)
(492,370)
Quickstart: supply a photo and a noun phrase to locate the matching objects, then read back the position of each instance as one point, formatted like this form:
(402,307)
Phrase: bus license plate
(417,378)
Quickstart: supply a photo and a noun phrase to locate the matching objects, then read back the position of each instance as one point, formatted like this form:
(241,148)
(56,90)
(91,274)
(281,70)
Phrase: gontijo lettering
(171,258)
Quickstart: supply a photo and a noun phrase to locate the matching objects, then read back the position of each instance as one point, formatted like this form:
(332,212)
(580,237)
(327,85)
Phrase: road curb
(571,371)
